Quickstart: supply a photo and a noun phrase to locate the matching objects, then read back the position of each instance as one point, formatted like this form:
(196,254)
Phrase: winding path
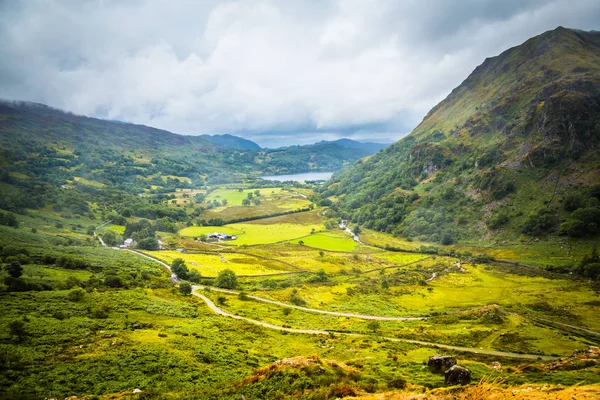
(224,313)
(267,325)
(282,304)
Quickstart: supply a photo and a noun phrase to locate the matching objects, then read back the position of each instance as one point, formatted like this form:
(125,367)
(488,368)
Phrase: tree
(296,299)
(243,296)
(226,279)
(225,202)
(374,326)
(14,269)
(179,268)
(109,238)
(356,229)
(149,243)
(194,276)
(185,288)
(17,328)
(321,253)
(246,202)
(221,300)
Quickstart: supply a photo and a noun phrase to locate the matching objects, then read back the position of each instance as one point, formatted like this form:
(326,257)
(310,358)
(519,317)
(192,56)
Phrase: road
(267,325)
(279,303)
(224,313)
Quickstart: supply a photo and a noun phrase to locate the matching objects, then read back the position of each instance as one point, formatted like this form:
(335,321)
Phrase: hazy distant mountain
(368,147)
(232,142)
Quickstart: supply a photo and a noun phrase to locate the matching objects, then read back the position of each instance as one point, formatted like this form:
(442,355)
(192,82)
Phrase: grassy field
(131,328)
(272,200)
(195,231)
(332,241)
(209,265)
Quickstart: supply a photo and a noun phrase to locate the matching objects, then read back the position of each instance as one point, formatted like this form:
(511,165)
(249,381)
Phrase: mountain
(230,141)
(41,143)
(322,156)
(512,150)
(367,147)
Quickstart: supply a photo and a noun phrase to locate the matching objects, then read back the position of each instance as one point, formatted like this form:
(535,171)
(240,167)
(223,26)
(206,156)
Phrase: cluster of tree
(584,217)
(589,266)
(180,269)
(8,219)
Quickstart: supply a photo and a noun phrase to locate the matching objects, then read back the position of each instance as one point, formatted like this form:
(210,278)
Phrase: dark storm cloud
(276,72)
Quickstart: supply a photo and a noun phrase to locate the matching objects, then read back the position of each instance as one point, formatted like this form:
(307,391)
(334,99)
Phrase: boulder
(439,364)
(457,375)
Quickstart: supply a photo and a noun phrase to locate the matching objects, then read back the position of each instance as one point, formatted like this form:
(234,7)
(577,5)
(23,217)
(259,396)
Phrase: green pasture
(194,231)
(209,265)
(329,241)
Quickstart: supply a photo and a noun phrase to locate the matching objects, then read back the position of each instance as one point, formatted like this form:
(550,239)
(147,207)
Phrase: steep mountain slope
(233,142)
(515,145)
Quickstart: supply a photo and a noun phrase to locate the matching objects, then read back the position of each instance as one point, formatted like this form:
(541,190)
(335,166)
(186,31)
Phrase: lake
(307,176)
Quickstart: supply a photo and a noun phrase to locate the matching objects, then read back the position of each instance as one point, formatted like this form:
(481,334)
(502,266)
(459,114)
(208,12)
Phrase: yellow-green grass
(181,178)
(18,175)
(87,182)
(310,258)
(193,231)
(53,274)
(260,233)
(211,264)
(329,241)
(118,229)
(400,258)
(524,336)
(234,197)
(268,206)
(476,287)
(381,239)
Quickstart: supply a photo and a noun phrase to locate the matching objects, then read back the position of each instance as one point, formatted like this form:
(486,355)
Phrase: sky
(276,72)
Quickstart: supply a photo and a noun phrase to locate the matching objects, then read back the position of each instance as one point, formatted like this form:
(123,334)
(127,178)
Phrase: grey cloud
(276,72)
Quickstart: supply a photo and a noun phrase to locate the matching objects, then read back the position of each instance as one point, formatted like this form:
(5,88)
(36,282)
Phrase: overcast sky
(276,72)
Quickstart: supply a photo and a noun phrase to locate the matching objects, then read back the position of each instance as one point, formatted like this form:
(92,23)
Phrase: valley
(303,286)
(142,264)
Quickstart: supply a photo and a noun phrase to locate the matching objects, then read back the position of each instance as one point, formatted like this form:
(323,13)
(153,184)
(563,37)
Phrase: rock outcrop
(439,364)
(457,375)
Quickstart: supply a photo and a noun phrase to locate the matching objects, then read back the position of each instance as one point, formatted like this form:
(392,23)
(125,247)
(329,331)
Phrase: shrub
(539,222)
(296,299)
(227,279)
(14,269)
(497,220)
(76,295)
(243,296)
(572,228)
(374,325)
(185,288)
(179,268)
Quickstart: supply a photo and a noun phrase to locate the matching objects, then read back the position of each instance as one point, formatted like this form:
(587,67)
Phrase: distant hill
(230,141)
(41,143)
(514,150)
(321,156)
(367,147)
